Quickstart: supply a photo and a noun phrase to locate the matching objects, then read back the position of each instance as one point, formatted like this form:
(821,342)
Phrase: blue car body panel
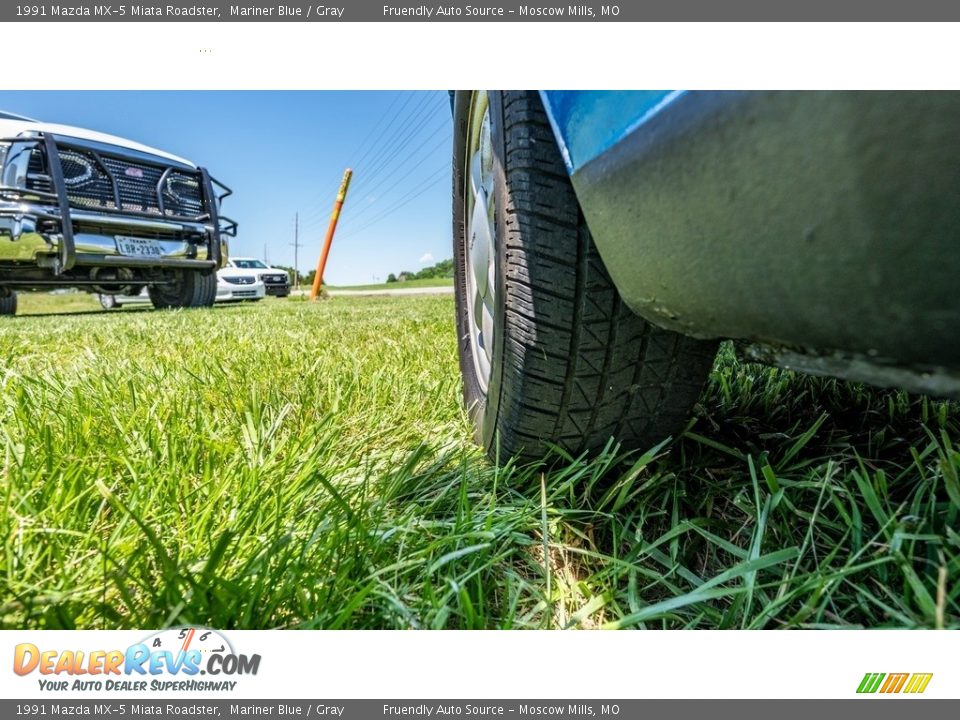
(587,123)
(824,225)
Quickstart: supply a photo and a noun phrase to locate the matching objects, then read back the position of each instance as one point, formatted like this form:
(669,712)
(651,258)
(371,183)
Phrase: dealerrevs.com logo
(173,659)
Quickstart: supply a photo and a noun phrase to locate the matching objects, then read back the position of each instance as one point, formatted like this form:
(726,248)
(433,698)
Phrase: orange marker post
(331,229)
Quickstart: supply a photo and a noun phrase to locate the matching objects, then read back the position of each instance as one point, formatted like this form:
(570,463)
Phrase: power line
(316,208)
(359,162)
(386,148)
(402,137)
(426,156)
(394,159)
(390,168)
(377,125)
(317,217)
(417,191)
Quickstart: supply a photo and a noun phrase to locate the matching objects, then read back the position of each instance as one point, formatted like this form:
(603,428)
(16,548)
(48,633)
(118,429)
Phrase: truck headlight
(4,147)
(15,162)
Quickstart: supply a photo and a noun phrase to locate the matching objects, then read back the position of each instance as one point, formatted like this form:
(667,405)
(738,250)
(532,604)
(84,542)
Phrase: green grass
(45,303)
(418,283)
(159,470)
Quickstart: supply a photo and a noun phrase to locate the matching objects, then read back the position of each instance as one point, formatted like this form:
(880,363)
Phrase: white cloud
(427,257)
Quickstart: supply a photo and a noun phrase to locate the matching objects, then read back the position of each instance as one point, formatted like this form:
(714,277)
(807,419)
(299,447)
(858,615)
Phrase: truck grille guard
(160,205)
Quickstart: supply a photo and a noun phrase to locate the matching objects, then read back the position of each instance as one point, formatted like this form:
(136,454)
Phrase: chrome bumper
(239,292)
(21,240)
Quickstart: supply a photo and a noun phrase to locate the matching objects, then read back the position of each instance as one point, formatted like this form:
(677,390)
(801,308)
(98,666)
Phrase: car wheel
(8,303)
(108,302)
(190,289)
(549,354)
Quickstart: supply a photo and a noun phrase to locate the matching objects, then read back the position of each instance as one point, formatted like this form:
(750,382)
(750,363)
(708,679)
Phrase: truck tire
(549,354)
(191,289)
(107,301)
(8,304)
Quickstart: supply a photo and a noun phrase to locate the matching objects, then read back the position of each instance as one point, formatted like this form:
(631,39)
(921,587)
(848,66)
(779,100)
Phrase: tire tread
(579,366)
(8,304)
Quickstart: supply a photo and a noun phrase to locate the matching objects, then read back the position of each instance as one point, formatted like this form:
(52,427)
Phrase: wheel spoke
(486,324)
(476,173)
(486,155)
(481,242)
(481,250)
(478,315)
(483,365)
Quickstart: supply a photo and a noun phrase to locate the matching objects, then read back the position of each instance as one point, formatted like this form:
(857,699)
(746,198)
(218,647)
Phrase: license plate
(138,247)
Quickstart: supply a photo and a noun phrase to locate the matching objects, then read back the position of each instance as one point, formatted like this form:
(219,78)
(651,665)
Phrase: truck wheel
(549,354)
(8,303)
(108,302)
(190,289)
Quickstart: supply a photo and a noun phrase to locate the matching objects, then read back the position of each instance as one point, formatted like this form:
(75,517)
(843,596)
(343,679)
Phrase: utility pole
(296,250)
(266,257)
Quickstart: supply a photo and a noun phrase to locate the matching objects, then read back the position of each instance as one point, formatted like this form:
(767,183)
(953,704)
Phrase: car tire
(108,302)
(8,304)
(190,289)
(549,354)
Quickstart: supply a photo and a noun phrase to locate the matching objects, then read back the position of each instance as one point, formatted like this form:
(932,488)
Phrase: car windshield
(248,264)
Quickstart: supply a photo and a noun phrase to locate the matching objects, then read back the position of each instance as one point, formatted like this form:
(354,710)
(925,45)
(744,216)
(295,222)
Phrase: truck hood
(233,272)
(13,128)
(240,272)
(253,272)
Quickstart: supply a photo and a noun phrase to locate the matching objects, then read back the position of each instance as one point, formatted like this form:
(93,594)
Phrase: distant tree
(445,267)
(442,269)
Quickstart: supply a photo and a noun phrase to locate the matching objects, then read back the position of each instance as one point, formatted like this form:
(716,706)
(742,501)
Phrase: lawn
(308,465)
(46,304)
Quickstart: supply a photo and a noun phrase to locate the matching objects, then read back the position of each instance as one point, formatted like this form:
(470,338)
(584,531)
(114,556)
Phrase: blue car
(606,242)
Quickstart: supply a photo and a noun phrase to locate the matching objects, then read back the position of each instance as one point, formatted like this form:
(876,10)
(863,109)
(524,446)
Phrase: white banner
(196,662)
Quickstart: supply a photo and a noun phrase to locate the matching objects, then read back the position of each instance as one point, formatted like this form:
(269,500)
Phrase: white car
(276,280)
(230,288)
(233,285)
(104,214)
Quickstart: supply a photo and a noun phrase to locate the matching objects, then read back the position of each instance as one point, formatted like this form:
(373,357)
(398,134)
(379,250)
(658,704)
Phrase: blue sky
(282,152)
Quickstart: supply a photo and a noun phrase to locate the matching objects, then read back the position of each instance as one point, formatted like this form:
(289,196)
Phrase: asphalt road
(442,290)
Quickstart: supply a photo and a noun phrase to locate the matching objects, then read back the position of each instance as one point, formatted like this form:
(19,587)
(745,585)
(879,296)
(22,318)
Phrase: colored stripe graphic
(870,682)
(892,683)
(895,682)
(918,682)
